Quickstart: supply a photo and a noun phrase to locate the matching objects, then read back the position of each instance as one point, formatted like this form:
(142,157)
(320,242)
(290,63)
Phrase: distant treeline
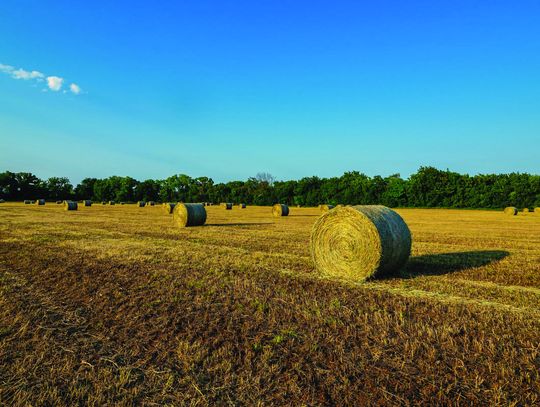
(428,187)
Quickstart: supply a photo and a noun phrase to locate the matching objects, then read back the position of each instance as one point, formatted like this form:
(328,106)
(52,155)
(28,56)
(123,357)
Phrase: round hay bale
(525,210)
(242,206)
(189,214)
(360,242)
(510,210)
(339,206)
(59,202)
(141,204)
(122,203)
(2,201)
(150,203)
(326,208)
(27,201)
(87,202)
(70,206)
(112,203)
(169,207)
(280,210)
(103,202)
(228,206)
(40,201)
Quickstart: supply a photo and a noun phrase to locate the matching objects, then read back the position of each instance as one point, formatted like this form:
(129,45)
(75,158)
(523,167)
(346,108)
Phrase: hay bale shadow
(444,263)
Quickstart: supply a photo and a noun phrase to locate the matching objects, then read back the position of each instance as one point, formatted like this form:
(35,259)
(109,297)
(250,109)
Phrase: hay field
(116,305)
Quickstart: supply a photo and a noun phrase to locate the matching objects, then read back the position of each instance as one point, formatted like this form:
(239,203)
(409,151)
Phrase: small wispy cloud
(53,82)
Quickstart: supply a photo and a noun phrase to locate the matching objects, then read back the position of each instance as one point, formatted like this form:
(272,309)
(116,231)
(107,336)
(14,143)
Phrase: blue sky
(227,89)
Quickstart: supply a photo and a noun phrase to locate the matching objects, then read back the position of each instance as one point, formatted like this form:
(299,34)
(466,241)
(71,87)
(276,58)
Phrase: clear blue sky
(231,88)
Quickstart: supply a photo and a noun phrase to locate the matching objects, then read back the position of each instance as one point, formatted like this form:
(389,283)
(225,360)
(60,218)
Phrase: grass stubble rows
(116,305)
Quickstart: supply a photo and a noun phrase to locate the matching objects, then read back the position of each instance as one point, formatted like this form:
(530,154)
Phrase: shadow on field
(444,263)
(239,224)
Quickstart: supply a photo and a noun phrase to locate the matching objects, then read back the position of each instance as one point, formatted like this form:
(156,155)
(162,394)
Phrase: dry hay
(59,202)
(27,201)
(40,201)
(150,203)
(169,207)
(189,214)
(141,204)
(326,208)
(227,205)
(242,206)
(112,203)
(360,242)
(87,202)
(537,210)
(510,210)
(70,206)
(280,210)
(525,210)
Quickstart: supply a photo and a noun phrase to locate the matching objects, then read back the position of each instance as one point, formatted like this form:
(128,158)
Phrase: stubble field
(116,305)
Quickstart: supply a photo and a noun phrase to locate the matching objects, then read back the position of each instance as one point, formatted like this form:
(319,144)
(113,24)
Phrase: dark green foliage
(428,187)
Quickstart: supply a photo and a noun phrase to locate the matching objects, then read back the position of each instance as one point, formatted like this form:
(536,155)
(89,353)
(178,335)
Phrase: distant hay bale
(59,202)
(525,210)
(112,203)
(141,204)
(2,201)
(242,206)
(103,202)
(150,203)
(280,210)
(122,203)
(510,210)
(27,201)
(169,207)
(189,214)
(70,206)
(326,208)
(360,242)
(40,201)
(87,202)
(227,205)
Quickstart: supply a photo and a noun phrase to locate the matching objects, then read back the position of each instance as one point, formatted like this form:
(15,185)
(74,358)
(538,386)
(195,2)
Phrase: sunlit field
(117,305)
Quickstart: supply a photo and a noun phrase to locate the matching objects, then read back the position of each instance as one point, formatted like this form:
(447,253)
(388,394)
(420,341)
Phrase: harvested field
(116,305)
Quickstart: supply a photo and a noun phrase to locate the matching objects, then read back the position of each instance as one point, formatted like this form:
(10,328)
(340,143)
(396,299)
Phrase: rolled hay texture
(360,242)
(280,210)
(87,202)
(169,207)
(326,208)
(40,201)
(141,204)
(27,201)
(510,210)
(189,214)
(70,206)
(242,206)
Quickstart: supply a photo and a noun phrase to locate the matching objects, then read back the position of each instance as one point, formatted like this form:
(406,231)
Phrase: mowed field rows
(117,305)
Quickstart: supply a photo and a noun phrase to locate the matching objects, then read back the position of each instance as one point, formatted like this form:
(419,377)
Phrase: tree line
(428,187)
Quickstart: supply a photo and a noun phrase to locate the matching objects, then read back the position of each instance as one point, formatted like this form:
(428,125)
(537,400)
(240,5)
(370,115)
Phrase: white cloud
(55,83)
(75,88)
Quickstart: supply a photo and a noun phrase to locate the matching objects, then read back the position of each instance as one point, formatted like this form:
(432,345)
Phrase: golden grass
(115,305)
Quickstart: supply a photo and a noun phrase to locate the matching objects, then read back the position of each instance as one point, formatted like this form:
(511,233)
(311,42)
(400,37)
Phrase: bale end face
(242,206)
(70,206)
(280,210)
(169,207)
(189,214)
(511,211)
(360,242)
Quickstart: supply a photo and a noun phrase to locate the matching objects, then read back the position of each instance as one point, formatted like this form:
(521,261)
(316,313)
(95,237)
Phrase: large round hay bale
(141,204)
(169,207)
(87,202)
(103,202)
(70,206)
(360,242)
(280,210)
(40,201)
(228,206)
(242,206)
(510,210)
(326,208)
(189,214)
(27,201)
(150,203)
